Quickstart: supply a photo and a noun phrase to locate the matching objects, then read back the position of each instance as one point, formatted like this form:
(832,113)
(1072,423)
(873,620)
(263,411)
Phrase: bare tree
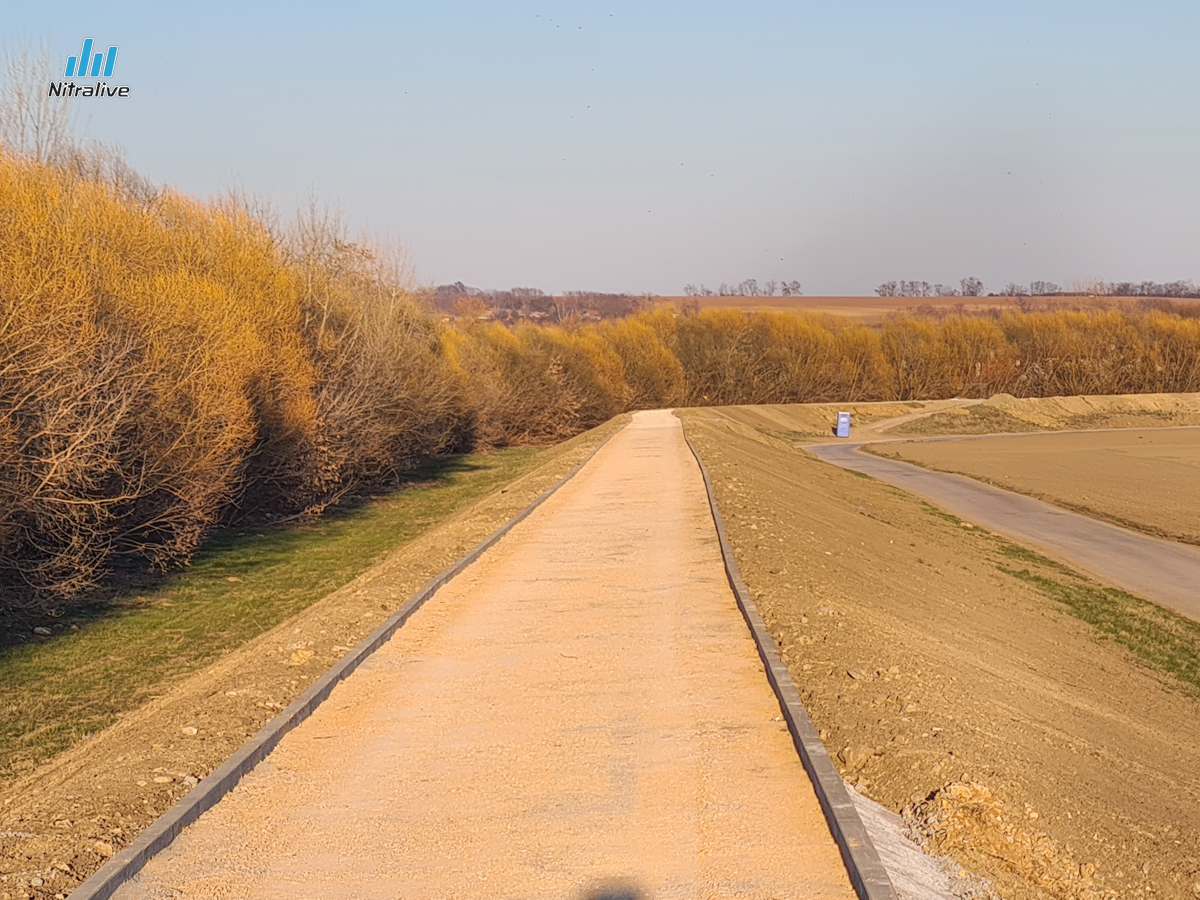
(1012,289)
(888,289)
(770,287)
(790,289)
(971,287)
(31,122)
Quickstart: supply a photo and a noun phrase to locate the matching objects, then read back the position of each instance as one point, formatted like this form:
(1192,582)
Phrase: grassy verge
(1161,639)
(142,634)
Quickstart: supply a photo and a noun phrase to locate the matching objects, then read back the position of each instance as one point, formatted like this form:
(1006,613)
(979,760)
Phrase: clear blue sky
(640,146)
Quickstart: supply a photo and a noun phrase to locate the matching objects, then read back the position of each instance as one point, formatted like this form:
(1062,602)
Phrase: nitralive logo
(78,67)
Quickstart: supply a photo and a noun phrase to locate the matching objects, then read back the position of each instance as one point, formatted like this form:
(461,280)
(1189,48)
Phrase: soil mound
(966,820)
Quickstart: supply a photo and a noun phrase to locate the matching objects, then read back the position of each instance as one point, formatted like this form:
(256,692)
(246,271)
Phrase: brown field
(1147,479)
(1039,727)
(872,309)
(802,423)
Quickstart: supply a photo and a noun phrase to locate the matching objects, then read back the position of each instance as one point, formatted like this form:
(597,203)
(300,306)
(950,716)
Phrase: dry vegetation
(167,364)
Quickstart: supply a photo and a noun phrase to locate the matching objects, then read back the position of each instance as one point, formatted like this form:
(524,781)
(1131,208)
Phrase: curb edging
(162,831)
(867,872)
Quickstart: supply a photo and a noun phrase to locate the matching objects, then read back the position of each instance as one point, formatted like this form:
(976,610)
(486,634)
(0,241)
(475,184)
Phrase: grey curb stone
(867,873)
(159,835)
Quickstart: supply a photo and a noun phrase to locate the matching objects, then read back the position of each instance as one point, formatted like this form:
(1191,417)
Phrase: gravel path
(1163,571)
(581,713)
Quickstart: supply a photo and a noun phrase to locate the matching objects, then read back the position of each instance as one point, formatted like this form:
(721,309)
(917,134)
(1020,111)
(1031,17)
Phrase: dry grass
(138,636)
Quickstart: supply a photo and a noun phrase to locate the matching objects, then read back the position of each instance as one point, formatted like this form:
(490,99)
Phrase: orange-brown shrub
(165,363)
(653,376)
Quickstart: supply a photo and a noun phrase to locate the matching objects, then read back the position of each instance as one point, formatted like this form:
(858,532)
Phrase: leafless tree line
(749,287)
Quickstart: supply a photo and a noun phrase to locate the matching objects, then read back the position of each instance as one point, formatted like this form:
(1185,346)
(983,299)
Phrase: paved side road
(581,713)
(1163,571)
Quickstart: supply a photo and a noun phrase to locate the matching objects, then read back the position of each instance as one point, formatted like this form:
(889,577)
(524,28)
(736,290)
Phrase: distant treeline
(748,287)
(973,287)
(534,304)
(167,365)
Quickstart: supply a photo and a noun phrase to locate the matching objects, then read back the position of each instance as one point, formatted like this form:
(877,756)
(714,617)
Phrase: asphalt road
(1163,571)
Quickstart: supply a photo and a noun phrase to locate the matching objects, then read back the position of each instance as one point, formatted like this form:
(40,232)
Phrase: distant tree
(944,290)
(1043,288)
(748,288)
(30,122)
(888,289)
(567,306)
(1012,289)
(791,289)
(724,290)
(470,308)
(971,287)
(915,289)
(771,287)
(690,290)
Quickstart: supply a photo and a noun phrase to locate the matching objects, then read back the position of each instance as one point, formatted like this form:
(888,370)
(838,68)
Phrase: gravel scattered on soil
(927,667)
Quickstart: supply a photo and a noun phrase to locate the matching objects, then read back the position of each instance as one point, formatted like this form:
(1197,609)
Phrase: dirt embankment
(60,822)
(949,685)
(1004,413)
(805,422)
(1146,479)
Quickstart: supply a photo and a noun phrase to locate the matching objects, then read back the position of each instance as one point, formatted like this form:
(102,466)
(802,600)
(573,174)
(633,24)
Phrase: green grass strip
(1164,641)
(143,634)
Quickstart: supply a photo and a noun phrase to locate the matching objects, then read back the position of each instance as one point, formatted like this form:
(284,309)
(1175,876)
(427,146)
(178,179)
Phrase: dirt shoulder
(60,822)
(1146,479)
(951,681)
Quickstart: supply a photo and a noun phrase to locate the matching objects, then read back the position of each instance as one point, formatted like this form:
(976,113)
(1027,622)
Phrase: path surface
(1163,571)
(581,709)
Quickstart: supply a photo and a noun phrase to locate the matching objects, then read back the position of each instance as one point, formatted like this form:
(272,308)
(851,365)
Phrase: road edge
(867,872)
(159,834)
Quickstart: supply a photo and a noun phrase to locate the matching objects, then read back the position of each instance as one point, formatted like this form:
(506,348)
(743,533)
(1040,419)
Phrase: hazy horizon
(624,147)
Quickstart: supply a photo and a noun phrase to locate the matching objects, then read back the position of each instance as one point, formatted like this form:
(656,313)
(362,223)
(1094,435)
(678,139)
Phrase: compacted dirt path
(581,713)
(1163,571)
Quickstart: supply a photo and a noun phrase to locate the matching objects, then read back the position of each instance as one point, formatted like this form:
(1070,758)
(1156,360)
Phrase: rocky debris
(300,657)
(965,820)
(44,632)
(854,758)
